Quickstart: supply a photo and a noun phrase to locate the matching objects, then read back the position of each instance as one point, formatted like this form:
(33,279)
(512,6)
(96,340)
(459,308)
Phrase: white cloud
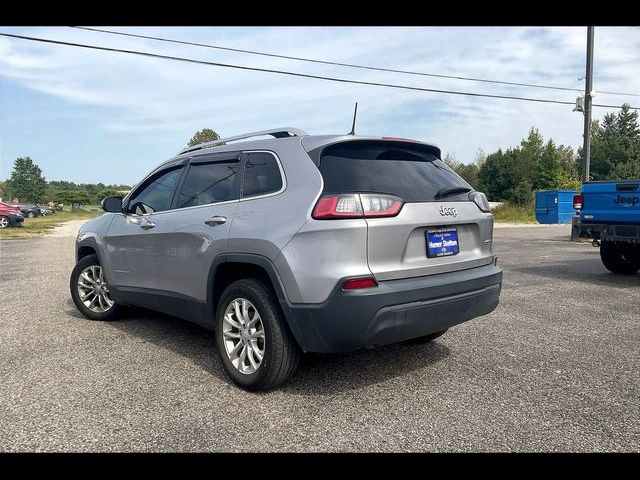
(151,99)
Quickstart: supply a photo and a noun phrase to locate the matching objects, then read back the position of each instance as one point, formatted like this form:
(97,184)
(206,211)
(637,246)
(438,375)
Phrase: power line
(350,65)
(295,74)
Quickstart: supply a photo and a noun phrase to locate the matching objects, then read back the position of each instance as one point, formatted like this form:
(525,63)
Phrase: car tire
(4,221)
(426,338)
(279,351)
(30,215)
(88,264)
(616,261)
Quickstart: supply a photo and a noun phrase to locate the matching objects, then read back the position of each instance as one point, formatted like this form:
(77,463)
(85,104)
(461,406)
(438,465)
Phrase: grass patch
(510,213)
(39,226)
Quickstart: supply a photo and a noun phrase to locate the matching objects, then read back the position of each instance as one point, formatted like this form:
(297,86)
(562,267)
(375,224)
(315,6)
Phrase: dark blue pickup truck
(610,215)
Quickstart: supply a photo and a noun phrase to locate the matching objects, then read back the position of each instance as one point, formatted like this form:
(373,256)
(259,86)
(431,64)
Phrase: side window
(210,182)
(156,194)
(261,175)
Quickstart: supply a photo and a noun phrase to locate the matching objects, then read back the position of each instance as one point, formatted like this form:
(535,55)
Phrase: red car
(10,216)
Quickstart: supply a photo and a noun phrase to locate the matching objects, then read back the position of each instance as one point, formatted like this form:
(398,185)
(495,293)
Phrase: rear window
(410,172)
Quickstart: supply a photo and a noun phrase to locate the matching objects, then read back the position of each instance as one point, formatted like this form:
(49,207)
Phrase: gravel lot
(556,367)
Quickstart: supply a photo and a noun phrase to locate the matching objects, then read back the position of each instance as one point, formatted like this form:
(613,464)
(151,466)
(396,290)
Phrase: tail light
(480,199)
(577,202)
(357,283)
(357,205)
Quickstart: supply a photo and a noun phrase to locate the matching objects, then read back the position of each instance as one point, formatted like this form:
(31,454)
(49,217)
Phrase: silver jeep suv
(295,243)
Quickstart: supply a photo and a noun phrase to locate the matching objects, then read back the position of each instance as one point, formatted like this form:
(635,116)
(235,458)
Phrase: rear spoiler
(409,145)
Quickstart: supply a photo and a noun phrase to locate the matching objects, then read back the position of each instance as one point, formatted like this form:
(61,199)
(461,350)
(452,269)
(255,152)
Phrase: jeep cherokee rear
(297,243)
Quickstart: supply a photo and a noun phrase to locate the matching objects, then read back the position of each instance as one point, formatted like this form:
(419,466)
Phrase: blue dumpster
(554,206)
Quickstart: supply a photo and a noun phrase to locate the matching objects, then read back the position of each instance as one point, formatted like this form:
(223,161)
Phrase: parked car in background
(9,206)
(10,216)
(46,210)
(30,210)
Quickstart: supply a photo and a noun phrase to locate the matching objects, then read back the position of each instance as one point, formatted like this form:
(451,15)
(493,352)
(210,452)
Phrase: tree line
(28,185)
(515,173)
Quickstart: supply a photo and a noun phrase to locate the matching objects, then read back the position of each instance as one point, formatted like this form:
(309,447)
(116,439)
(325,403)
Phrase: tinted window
(410,173)
(209,183)
(261,175)
(157,193)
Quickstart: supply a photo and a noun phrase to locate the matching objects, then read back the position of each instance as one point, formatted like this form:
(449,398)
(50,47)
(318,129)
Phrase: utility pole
(588,91)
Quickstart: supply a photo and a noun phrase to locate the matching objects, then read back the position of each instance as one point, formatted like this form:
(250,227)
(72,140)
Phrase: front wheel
(90,292)
(256,347)
(619,260)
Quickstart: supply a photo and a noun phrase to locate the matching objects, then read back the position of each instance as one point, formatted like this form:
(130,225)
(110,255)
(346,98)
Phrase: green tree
(26,181)
(77,197)
(204,135)
(500,173)
(522,193)
(106,192)
(548,168)
(615,146)
(530,154)
(479,157)
(567,181)
(514,174)
(450,161)
(469,172)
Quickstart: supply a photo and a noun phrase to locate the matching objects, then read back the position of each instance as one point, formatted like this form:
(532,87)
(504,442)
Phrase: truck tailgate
(609,202)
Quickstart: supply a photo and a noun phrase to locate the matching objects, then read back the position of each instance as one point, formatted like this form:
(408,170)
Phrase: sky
(93,116)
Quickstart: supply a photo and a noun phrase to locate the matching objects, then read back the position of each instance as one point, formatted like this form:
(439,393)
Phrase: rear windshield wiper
(446,191)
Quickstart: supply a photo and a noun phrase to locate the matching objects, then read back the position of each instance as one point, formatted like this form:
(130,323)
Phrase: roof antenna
(353,127)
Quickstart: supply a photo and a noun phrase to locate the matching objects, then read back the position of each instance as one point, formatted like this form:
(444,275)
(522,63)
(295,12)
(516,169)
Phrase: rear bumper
(624,233)
(15,221)
(396,310)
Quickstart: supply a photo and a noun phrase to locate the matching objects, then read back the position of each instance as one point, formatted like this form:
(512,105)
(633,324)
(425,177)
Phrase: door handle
(148,225)
(217,220)
(141,222)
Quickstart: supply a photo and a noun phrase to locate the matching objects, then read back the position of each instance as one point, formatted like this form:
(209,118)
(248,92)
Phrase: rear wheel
(256,347)
(4,221)
(618,259)
(31,215)
(90,292)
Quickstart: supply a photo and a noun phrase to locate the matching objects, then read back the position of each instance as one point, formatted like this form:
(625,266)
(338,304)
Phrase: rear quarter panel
(265,225)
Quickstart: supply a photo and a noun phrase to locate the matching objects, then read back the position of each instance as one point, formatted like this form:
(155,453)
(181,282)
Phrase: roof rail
(282,132)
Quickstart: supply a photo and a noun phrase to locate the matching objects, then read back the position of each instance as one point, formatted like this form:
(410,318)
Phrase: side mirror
(112,204)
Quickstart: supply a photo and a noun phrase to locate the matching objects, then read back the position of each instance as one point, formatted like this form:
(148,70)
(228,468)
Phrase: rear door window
(410,172)
(210,180)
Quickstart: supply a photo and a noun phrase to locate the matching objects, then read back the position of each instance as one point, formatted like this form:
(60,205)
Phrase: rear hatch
(436,212)
(611,202)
